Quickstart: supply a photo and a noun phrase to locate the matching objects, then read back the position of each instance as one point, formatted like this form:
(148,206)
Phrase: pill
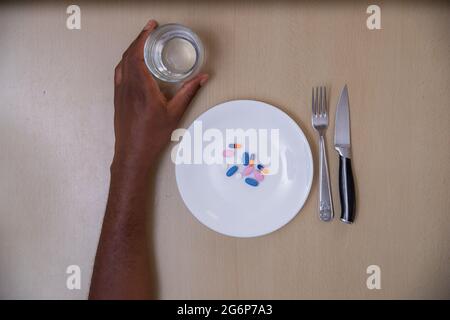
(234,145)
(265,171)
(252,182)
(252,159)
(228,153)
(258,176)
(260,167)
(245,159)
(247,171)
(232,171)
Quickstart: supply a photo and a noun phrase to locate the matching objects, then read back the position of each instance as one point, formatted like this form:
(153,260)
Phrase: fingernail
(150,25)
(203,81)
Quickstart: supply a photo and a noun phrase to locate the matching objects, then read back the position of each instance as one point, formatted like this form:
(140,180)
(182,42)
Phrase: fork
(320,123)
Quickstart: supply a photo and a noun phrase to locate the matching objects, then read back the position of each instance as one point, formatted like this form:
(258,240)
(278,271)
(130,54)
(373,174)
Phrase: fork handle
(325,200)
(346,190)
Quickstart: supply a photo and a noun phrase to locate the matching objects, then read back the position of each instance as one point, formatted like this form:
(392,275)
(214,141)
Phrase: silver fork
(320,123)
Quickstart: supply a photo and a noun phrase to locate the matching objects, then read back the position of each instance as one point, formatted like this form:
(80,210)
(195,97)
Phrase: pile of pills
(253,174)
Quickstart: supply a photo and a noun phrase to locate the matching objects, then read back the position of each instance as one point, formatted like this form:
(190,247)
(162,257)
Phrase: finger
(136,48)
(118,74)
(179,103)
(133,60)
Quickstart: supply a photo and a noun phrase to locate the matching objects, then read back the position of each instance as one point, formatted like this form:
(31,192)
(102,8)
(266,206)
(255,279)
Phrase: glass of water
(173,53)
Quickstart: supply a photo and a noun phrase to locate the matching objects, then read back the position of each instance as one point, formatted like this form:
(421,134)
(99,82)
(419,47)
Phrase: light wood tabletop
(56,142)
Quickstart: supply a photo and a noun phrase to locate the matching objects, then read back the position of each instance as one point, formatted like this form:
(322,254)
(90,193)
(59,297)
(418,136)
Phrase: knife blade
(342,145)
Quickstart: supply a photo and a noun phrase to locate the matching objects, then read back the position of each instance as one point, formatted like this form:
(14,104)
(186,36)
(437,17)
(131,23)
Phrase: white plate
(227,204)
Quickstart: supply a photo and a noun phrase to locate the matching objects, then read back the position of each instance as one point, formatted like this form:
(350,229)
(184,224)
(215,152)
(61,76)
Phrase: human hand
(144,118)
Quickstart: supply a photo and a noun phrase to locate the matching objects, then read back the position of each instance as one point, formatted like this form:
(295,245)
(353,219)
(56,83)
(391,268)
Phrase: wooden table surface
(56,142)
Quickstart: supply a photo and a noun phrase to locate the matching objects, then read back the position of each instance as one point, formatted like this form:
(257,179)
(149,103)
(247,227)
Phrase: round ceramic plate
(229,205)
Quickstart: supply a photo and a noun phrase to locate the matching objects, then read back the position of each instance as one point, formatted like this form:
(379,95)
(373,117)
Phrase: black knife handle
(346,190)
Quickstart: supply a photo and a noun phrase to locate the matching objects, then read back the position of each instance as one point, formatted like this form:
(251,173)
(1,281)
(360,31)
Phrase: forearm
(143,122)
(122,265)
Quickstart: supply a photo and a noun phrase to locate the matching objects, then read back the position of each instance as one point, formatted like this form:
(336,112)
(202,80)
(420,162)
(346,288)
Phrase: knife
(343,146)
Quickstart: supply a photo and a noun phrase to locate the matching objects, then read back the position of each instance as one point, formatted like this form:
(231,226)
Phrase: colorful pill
(247,171)
(232,171)
(252,159)
(265,171)
(228,153)
(245,159)
(252,182)
(260,167)
(258,176)
(234,145)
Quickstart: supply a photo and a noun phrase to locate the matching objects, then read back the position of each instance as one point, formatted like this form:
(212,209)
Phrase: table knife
(343,146)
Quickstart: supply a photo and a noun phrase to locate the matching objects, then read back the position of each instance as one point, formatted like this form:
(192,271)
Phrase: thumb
(179,103)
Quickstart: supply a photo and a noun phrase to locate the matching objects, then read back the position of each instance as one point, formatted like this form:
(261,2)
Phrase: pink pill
(247,171)
(258,176)
(228,153)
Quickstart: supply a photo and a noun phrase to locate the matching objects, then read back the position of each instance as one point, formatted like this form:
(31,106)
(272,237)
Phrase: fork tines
(319,101)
